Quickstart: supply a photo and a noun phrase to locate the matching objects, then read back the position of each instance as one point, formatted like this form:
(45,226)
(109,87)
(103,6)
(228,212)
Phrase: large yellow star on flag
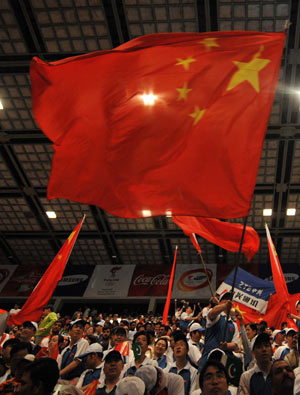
(185,62)
(197,115)
(209,43)
(248,72)
(71,237)
(183,92)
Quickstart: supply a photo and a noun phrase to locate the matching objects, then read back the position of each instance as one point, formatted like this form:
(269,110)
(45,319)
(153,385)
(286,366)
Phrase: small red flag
(164,123)
(91,389)
(167,305)
(224,234)
(33,307)
(43,352)
(54,352)
(123,348)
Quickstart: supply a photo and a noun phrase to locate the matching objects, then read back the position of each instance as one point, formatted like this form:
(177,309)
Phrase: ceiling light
(1,105)
(267,212)
(146,213)
(51,214)
(169,214)
(149,99)
(291,211)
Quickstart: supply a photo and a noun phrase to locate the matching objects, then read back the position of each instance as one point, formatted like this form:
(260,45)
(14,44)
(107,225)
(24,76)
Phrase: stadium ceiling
(55,29)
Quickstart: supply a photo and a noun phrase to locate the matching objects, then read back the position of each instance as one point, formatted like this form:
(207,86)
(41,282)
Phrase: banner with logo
(291,274)
(23,280)
(6,272)
(150,280)
(191,282)
(75,280)
(110,280)
(249,290)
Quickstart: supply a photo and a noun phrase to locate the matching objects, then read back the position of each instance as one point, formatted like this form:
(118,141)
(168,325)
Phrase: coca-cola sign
(150,280)
(159,279)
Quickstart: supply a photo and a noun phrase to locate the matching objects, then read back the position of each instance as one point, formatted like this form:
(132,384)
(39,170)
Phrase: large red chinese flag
(33,307)
(224,234)
(191,147)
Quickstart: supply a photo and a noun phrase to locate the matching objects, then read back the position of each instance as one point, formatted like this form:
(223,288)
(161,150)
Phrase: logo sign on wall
(6,272)
(110,280)
(150,280)
(291,274)
(191,281)
(75,280)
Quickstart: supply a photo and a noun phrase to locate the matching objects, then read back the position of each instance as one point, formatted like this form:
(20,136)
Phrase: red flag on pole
(278,277)
(224,234)
(171,122)
(167,305)
(33,307)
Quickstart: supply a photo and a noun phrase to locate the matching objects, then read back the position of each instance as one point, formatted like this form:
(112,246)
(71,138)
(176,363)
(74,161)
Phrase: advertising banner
(291,274)
(191,282)
(23,280)
(6,272)
(249,290)
(150,280)
(110,280)
(75,280)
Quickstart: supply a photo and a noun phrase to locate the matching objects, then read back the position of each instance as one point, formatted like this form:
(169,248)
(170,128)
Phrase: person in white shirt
(143,338)
(112,369)
(284,350)
(195,354)
(181,365)
(92,359)
(71,367)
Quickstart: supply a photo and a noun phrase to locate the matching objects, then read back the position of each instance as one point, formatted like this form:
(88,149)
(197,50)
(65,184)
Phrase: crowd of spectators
(199,351)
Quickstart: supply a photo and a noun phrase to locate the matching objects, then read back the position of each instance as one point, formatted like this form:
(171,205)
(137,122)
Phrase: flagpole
(237,264)
(207,276)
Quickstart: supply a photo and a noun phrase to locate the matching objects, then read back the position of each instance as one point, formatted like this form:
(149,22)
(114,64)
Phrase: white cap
(30,357)
(130,385)
(94,347)
(100,323)
(148,374)
(196,327)
(35,325)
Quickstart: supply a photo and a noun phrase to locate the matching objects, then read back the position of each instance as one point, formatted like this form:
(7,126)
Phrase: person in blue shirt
(215,328)
(160,348)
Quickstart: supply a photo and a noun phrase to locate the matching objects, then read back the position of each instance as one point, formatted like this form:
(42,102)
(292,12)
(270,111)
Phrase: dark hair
(21,346)
(177,332)
(164,339)
(92,338)
(183,338)
(218,365)
(62,322)
(142,333)
(49,306)
(253,326)
(10,342)
(45,372)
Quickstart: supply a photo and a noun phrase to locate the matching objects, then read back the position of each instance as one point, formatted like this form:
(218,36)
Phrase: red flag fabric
(224,234)
(53,353)
(164,123)
(33,307)
(123,348)
(91,389)
(167,305)
(278,277)
(43,352)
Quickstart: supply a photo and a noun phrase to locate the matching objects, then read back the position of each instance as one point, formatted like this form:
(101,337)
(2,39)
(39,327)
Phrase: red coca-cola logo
(146,280)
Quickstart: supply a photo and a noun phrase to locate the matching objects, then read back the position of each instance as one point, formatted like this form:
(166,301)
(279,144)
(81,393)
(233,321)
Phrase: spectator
(282,378)
(45,326)
(92,359)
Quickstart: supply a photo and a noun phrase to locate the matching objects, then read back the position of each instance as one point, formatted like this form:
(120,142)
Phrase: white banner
(191,282)
(5,273)
(110,280)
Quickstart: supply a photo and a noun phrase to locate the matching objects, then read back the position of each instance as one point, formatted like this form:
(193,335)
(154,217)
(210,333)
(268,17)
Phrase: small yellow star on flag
(248,71)
(71,237)
(183,92)
(185,62)
(209,43)
(59,256)
(197,115)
